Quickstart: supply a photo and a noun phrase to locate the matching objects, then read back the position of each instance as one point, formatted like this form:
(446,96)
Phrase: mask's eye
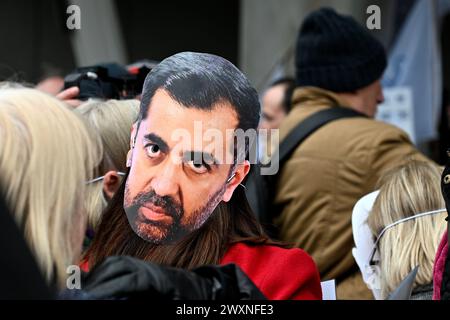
(153,150)
(198,167)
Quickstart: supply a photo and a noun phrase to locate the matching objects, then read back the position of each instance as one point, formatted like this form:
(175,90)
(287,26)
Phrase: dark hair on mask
(200,80)
(231,222)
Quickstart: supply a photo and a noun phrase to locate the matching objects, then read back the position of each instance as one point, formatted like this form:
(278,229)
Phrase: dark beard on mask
(162,233)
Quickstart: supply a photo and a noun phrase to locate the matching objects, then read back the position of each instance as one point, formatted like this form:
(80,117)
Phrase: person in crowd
(441,289)
(23,278)
(111,120)
(46,157)
(47,153)
(441,269)
(276,104)
(182,204)
(410,199)
(112,279)
(338,65)
(70,96)
(51,85)
(406,223)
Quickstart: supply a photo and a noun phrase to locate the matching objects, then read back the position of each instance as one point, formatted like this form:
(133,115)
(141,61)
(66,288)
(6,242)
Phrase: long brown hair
(230,223)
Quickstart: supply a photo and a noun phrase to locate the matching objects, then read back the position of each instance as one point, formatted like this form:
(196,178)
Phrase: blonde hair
(46,156)
(11,85)
(112,121)
(406,191)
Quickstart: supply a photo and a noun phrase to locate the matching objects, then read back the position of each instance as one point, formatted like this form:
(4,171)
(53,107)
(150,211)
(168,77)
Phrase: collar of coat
(314,96)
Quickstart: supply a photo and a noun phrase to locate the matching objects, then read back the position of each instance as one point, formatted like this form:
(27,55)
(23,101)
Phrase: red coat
(439,266)
(280,274)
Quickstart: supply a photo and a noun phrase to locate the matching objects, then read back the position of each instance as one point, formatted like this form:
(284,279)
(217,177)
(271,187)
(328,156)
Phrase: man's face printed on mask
(177,175)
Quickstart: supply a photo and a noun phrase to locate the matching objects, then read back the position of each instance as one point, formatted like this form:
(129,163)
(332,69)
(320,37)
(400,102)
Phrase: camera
(109,80)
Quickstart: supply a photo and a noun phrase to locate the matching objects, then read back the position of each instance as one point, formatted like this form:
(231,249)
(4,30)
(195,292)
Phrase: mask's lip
(157,209)
(155,214)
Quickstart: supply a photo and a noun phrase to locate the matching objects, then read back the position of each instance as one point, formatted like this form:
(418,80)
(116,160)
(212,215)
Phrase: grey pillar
(100,38)
(268,32)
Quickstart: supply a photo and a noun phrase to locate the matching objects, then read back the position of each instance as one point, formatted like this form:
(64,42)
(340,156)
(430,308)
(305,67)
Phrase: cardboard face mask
(182,157)
(159,219)
(174,185)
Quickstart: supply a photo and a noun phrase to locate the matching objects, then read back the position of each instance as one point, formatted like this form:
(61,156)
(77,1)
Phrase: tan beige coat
(321,182)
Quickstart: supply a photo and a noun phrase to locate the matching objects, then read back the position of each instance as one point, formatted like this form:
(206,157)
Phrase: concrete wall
(269,28)
(100,38)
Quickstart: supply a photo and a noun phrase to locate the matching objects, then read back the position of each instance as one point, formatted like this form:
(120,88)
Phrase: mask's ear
(132,143)
(237,178)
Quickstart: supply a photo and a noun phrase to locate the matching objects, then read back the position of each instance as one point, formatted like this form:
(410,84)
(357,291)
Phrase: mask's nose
(165,183)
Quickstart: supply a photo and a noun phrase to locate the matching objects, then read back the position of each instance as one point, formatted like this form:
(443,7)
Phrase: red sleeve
(293,276)
(280,274)
(84,265)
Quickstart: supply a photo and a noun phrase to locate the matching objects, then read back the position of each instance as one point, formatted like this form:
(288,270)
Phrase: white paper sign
(398,109)
(328,290)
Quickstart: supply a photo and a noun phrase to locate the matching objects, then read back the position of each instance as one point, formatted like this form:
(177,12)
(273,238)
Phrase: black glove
(124,277)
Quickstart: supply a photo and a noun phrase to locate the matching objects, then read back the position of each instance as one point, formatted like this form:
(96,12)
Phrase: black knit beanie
(336,53)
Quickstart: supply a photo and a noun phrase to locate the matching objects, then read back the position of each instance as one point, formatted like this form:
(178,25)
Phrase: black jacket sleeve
(124,277)
(21,277)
